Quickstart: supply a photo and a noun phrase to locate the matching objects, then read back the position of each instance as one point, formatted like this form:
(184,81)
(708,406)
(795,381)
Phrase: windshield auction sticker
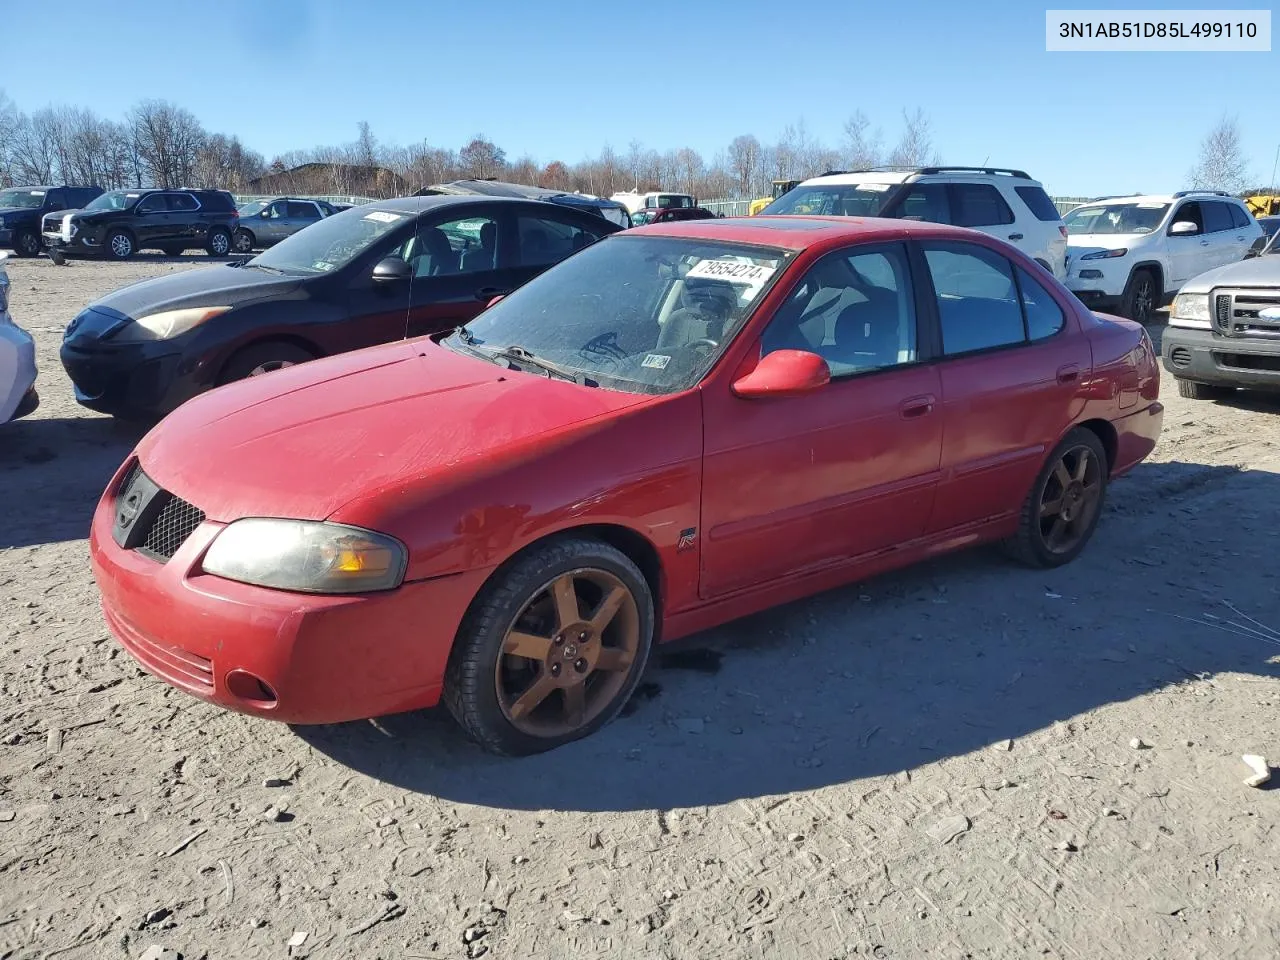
(734,271)
(1183,31)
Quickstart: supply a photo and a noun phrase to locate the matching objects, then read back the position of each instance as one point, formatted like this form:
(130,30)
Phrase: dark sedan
(369,275)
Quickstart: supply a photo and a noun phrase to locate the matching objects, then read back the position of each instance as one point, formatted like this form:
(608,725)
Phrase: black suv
(21,209)
(118,224)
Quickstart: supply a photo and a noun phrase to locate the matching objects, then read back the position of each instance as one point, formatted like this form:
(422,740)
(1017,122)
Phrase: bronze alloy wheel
(568,653)
(1071,499)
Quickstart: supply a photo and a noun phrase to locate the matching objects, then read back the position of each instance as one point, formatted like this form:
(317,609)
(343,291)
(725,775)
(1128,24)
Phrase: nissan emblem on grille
(151,520)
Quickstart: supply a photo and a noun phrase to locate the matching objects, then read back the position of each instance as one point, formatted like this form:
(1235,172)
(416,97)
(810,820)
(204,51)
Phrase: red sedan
(679,425)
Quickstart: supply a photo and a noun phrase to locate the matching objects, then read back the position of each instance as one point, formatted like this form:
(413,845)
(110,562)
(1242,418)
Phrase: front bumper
(1205,357)
(18,396)
(126,379)
(297,658)
(1099,283)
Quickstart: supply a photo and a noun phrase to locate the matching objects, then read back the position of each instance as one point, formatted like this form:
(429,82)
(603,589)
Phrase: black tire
(471,687)
(1032,544)
(173,251)
(242,241)
(27,243)
(119,244)
(260,358)
(1142,296)
(219,242)
(1202,391)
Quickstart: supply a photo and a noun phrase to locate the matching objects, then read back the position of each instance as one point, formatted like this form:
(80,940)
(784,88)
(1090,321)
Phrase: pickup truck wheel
(1063,507)
(119,245)
(26,244)
(1202,391)
(1141,297)
(551,649)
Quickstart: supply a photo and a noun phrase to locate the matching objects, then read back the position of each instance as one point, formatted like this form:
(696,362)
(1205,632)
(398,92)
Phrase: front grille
(177,521)
(1180,357)
(1237,314)
(1248,361)
(1222,310)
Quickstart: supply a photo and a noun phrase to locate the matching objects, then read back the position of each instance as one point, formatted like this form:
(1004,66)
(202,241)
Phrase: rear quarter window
(1038,203)
(978,205)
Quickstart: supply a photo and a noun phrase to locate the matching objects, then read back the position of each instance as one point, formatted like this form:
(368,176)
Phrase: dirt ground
(936,763)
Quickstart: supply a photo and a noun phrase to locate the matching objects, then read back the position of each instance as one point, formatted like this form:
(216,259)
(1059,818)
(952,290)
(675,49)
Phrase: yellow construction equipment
(779,188)
(1267,205)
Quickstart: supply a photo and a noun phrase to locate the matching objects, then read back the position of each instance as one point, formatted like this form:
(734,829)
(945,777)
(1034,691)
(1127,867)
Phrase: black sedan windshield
(331,243)
(631,313)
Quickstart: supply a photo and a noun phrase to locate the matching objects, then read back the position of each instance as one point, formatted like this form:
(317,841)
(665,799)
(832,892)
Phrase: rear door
(982,207)
(186,219)
(460,261)
(302,213)
(1013,368)
(545,237)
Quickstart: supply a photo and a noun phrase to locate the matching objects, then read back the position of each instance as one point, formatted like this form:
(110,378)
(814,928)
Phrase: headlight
(1191,306)
(307,556)
(1105,254)
(170,323)
(4,293)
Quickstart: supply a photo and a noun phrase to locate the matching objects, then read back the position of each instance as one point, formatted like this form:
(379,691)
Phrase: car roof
(983,175)
(418,205)
(797,232)
(1159,198)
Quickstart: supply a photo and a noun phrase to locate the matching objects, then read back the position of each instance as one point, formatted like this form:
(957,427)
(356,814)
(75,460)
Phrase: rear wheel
(1063,507)
(552,649)
(1202,391)
(219,244)
(1141,297)
(26,244)
(119,245)
(260,358)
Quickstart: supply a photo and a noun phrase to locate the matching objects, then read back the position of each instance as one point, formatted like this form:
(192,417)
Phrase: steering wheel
(702,342)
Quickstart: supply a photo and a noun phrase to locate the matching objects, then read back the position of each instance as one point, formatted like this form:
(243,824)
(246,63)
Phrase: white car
(17,360)
(1006,204)
(1131,255)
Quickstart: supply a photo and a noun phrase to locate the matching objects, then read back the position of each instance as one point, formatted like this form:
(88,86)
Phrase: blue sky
(559,80)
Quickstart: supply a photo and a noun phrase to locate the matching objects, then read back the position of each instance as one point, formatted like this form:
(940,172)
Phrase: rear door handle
(917,407)
(1015,236)
(1068,374)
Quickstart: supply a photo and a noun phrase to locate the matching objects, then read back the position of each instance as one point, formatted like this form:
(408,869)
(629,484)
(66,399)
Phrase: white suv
(1007,204)
(1131,254)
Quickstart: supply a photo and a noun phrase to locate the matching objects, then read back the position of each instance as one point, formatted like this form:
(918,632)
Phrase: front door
(460,263)
(1011,380)
(794,485)
(1189,253)
(152,220)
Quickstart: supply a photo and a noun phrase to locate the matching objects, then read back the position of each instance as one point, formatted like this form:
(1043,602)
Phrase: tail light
(1062,229)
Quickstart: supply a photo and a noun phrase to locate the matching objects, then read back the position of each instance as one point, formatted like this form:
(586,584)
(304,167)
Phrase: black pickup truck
(22,208)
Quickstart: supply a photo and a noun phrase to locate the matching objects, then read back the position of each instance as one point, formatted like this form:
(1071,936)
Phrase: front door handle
(488,293)
(1069,373)
(917,407)
(1204,243)
(1015,236)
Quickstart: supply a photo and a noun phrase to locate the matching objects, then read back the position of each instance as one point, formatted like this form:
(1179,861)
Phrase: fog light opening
(244,685)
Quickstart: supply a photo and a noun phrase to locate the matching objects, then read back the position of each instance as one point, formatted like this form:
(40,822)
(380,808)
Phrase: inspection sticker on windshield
(657,361)
(382,216)
(732,271)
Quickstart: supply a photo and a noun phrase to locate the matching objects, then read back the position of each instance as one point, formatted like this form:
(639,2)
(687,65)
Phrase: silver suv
(264,222)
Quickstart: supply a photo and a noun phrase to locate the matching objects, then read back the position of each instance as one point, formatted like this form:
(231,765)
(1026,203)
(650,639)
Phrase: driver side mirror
(265,214)
(784,373)
(1183,228)
(392,268)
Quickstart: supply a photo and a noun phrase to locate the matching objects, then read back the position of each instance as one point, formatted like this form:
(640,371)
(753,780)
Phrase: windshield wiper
(259,266)
(518,355)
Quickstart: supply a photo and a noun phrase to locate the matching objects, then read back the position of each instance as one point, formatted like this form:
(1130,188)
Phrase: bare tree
(9,118)
(166,138)
(915,146)
(862,147)
(744,163)
(33,149)
(524,170)
(366,146)
(1222,165)
(481,158)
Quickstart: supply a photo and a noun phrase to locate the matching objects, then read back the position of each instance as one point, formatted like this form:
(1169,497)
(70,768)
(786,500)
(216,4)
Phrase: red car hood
(304,441)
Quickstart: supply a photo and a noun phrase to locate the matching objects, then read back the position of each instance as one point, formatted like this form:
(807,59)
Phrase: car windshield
(252,208)
(20,199)
(833,200)
(616,215)
(631,313)
(641,217)
(1273,246)
(113,200)
(331,243)
(1116,218)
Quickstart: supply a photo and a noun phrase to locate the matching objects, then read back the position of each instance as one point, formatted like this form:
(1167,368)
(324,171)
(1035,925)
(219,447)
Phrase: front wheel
(552,648)
(261,358)
(26,244)
(1141,297)
(120,245)
(242,241)
(1202,391)
(1063,507)
(219,244)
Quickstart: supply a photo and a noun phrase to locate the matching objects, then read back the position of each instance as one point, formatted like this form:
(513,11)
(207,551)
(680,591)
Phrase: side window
(925,201)
(1217,217)
(1238,217)
(977,300)
(544,241)
(1044,316)
(456,247)
(854,309)
(183,202)
(1038,203)
(56,200)
(301,210)
(278,210)
(155,203)
(1190,212)
(978,205)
